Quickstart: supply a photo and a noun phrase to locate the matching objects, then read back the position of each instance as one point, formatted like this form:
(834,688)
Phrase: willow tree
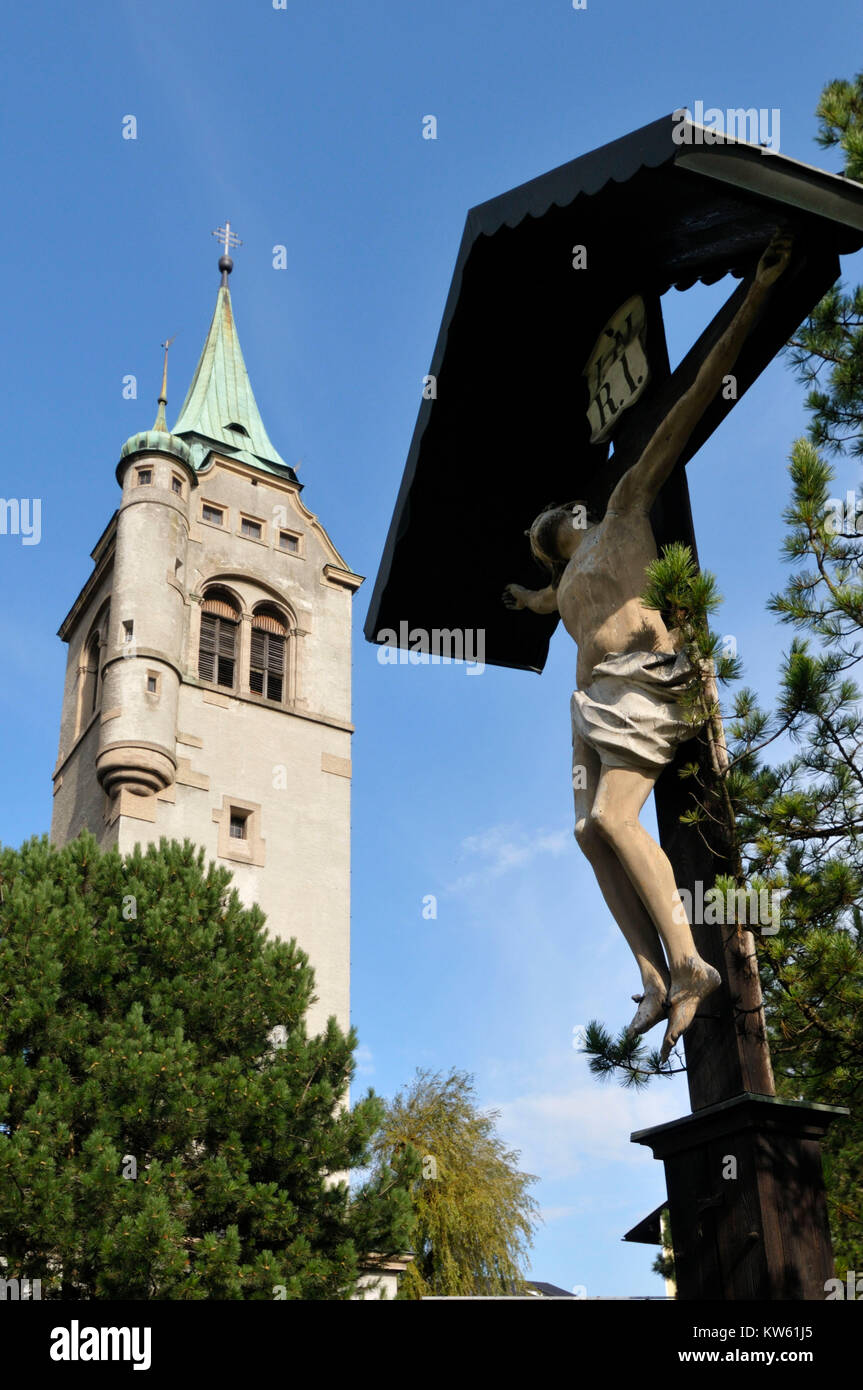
(475,1217)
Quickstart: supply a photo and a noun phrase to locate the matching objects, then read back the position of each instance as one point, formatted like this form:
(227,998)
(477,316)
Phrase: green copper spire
(220,408)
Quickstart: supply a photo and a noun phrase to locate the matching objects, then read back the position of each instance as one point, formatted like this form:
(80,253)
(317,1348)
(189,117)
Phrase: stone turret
(143,663)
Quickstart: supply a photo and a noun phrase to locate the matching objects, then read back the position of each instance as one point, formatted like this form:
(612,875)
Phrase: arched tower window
(90,679)
(89,672)
(269,651)
(217,650)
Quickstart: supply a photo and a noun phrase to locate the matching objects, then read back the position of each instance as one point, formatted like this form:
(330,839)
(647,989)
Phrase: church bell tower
(207,690)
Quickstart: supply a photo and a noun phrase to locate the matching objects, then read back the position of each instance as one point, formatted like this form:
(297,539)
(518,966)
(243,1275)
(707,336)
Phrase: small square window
(177,485)
(152,684)
(145,475)
(128,630)
(214,515)
(240,832)
(289,542)
(253,529)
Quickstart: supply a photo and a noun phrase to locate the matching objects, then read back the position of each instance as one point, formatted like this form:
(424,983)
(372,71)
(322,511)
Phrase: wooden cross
(504,430)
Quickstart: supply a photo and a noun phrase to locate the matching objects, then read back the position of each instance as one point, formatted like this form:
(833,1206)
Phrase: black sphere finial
(229,240)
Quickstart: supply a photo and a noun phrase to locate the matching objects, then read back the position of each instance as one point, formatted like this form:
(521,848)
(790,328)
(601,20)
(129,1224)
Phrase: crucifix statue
(563,247)
(627,716)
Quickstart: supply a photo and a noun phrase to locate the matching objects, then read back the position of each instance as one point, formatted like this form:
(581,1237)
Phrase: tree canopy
(168,1128)
(475,1216)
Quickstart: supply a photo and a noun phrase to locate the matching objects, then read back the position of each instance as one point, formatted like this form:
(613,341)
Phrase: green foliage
(474,1215)
(802,820)
(840,117)
(808,811)
(828,351)
(687,596)
(625,1057)
(663,1265)
(139,1003)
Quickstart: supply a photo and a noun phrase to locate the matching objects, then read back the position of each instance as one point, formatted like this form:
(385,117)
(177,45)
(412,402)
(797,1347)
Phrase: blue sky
(304,127)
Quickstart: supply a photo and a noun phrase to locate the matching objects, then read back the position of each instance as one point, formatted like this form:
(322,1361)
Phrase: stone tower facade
(207,690)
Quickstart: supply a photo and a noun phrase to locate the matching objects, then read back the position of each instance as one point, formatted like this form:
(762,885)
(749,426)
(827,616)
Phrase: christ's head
(557,533)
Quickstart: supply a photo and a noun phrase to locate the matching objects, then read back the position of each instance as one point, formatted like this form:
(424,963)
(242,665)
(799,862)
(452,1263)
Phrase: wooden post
(746,1198)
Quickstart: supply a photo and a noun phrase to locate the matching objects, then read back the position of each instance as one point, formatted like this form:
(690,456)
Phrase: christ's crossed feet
(652,1005)
(690,983)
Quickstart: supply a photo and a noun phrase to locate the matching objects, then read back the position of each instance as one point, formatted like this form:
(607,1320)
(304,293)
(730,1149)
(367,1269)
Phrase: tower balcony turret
(142,668)
(135,767)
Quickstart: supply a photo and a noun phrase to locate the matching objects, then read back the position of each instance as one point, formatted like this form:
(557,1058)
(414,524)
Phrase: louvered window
(267,665)
(217,652)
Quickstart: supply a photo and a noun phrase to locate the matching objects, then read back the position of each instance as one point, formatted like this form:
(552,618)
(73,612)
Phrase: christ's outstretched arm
(537,600)
(641,483)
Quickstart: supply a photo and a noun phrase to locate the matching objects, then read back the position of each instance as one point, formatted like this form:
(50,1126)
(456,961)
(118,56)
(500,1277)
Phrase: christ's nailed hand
(774,260)
(514,596)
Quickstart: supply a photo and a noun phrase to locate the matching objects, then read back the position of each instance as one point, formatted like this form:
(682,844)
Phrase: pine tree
(474,1214)
(168,1129)
(814,978)
(827,352)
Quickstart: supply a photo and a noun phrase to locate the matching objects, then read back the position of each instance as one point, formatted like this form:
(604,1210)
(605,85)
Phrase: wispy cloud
(364,1060)
(560,1134)
(550,1214)
(503,848)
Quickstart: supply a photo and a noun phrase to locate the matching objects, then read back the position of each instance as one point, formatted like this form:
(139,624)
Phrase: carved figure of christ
(627,719)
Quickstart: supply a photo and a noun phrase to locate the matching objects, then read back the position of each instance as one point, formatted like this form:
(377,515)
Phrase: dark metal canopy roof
(649,1230)
(508,430)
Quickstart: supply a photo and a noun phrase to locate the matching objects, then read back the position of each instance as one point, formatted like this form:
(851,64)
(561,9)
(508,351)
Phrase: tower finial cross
(227,238)
(163,398)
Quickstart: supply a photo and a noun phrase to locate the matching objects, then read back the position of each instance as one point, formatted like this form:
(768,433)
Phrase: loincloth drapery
(631,712)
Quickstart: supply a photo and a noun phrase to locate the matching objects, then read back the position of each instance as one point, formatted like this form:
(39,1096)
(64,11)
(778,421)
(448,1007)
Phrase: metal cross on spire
(164,396)
(229,241)
(161,422)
